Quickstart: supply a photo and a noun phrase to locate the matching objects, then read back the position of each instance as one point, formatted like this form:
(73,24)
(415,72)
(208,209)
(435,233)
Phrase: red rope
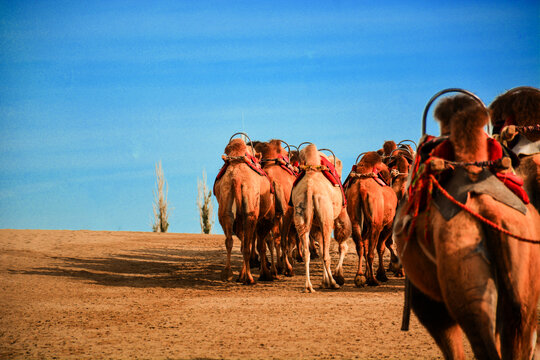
(478,216)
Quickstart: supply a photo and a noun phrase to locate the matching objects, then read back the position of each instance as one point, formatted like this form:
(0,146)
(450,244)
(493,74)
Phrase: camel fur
(246,209)
(371,208)
(467,276)
(318,207)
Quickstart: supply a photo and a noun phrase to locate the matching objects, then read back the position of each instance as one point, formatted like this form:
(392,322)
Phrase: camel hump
(310,155)
(236,147)
(520,107)
(449,106)
(388,147)
(468,121)
(369,160)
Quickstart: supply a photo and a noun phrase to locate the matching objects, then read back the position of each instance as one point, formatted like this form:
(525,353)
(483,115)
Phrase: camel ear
(258,156)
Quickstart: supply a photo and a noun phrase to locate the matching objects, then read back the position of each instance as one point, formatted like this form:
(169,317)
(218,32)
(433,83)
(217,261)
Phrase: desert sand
(128,295)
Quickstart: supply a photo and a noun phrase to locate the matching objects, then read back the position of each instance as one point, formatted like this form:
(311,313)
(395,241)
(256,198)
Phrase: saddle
(283,162)
(329,172)
(374,174)
(251,161)
(504,187)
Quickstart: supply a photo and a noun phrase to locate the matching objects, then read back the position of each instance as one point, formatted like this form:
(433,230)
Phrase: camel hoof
(289,272)
(339,279)
(266,276)
(399,273)
(334,286)
(382,277)
(309,290)
(372,282)
(394,267)
(226,274)
(360,280)
(249,281)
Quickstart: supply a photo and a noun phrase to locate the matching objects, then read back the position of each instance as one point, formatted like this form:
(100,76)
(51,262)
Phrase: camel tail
(236,190)
(365,214)
(281,203)
(309,201)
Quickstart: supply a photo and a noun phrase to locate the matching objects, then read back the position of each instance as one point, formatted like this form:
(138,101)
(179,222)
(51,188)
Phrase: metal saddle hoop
(250,141)
(445,91)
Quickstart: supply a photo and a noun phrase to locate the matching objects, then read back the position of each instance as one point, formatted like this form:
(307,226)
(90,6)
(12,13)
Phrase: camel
(371,205)
(474,270)
(318,206)
(245,208)
(516,119)
(276,164)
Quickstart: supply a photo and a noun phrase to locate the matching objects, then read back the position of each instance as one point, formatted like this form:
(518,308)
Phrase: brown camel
(276,164)
(516,118)
(371,205)
(246,208)
(318,206)
(467,273)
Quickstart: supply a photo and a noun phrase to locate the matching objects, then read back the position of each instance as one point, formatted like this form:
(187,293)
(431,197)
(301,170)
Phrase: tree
(161,207)
(205,205)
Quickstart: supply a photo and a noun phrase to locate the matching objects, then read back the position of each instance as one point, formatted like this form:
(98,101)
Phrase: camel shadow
(144,268)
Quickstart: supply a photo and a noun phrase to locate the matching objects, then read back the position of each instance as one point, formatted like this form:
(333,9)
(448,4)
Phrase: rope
(529,128)
(395,173)
(314,167)
(362,176)
(478,216)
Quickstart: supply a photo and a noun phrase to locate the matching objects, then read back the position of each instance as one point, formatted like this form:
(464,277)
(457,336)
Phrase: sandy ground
(126,295)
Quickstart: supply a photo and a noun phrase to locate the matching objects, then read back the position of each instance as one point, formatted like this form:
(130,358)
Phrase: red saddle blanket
(331,174)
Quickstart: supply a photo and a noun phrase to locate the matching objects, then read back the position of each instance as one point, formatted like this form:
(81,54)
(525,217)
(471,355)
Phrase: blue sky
(94,93)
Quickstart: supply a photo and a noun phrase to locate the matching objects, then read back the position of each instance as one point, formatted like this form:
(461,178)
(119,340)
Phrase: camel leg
(342,232)
(226,219)
(441,326)
(263,229)
(308,287)
(276,244)
(395,265)
(326,220)
(381,246)
(286,236)
(247,244)
(372,245)
(343,248)
(328,280)
(359,279)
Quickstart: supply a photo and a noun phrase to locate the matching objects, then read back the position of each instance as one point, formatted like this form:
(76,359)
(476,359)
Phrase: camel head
(271,149)
(447,107)
(521,107)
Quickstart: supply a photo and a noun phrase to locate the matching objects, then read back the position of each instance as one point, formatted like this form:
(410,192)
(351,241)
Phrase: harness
(283,162)
(249,160)
(374,174)
(328,170)
(430,172)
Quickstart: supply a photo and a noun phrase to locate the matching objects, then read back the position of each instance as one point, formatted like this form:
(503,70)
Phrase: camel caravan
(458,213)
